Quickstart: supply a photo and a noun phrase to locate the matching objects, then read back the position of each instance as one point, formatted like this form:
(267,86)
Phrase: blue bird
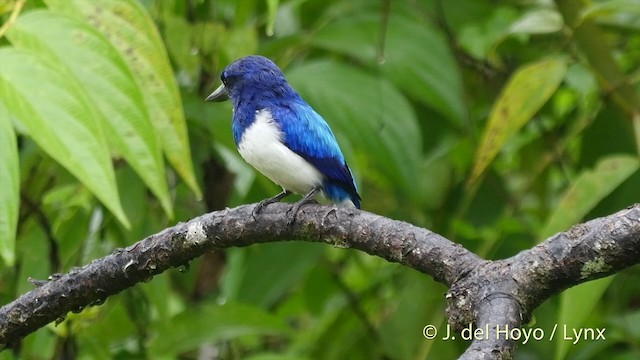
(281,136)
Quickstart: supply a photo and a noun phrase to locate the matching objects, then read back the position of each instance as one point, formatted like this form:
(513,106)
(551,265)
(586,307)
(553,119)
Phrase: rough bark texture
(483,293)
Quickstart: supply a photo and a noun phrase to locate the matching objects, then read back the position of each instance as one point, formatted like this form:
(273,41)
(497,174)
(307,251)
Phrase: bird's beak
(220,94)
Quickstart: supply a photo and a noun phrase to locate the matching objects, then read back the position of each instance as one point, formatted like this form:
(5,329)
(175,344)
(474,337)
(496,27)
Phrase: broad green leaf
(481,37)
(611,7)
(416,303)
(416,57)
(9,188)
(179,40)
(105,77)
(112,327)
(255,278)
(628,321)
(585,193)
(539,21)
(525,93)
(127,25)
(33,257)
(588,190)
(576,304)
(60,118)
(212,323)
(371,115)
(340,321)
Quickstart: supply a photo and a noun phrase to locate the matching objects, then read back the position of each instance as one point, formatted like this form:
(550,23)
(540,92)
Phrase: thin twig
(17,8)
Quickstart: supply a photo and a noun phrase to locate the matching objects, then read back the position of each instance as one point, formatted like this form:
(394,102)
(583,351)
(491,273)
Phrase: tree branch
(505,292)
(395,241)
(484,293)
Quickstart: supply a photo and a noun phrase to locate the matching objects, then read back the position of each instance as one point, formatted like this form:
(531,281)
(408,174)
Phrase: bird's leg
(268,201)
(305,200)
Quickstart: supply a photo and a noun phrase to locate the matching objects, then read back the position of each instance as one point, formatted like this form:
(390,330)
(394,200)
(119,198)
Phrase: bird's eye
(230,79)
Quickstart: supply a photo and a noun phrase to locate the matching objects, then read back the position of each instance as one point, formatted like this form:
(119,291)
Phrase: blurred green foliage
(495,124)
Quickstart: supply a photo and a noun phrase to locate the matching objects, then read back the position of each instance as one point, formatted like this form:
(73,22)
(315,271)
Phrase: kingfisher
(281,136)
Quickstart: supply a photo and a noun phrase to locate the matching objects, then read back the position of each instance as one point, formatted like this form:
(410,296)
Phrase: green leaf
(481,37)
(127,25)
(9,188)
(272,12)
(538,21)
(415,303)
(628,7)
(179,40)
(255,278)
(585,193)
(60,118)
(109,84)
(112,326)
(576,304)
(416,59)
(212,323)
(588,190)
(371,115)
(525,93)
(239,42)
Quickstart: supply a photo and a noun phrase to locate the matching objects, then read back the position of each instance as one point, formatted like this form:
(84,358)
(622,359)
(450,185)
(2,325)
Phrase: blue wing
(309,135)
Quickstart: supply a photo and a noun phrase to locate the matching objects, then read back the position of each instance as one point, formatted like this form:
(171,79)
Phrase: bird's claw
(293,211)
(257,209)
(262,204)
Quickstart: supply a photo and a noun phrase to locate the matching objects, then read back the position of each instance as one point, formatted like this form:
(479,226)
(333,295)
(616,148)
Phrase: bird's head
(252,78)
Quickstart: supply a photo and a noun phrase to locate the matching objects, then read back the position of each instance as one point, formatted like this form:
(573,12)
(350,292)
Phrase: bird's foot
(291,213)
(262,204)
(307,199)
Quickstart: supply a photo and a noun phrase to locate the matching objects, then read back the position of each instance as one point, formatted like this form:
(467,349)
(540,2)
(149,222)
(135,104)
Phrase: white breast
(261,146)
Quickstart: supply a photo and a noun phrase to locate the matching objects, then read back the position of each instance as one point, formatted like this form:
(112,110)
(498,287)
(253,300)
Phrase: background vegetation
(495,124)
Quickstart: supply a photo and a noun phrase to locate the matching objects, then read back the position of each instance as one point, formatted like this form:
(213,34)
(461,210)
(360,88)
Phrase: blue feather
(308,135)
(257,87)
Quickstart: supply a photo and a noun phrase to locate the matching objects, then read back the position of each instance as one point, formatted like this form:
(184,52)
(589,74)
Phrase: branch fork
(482,293)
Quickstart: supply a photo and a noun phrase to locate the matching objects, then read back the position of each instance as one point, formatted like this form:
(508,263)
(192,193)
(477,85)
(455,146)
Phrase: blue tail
(337,193)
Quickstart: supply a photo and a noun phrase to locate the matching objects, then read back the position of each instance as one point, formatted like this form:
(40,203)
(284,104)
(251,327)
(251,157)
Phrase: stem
(17,8)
